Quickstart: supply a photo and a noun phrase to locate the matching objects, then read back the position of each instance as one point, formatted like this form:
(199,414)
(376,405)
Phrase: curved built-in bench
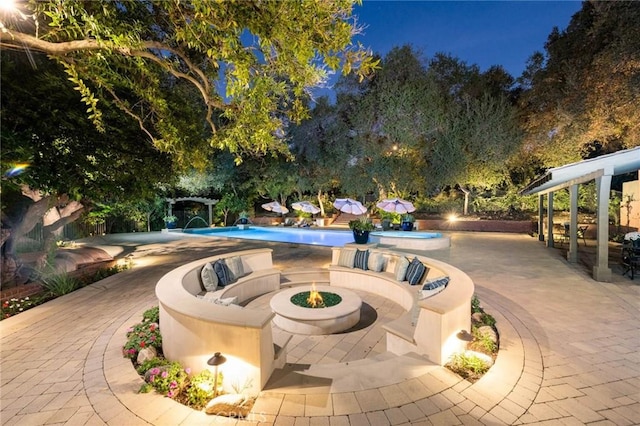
(194,329)
(430,326)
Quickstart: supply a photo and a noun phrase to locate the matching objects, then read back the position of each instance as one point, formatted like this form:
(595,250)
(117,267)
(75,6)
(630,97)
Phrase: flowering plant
(14,306)
(168,380)
(142,335)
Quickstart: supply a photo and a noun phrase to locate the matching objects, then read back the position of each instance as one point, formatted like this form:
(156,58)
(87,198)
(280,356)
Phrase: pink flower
(152,378)
(132,351)
(155,370)
(187,370)
(173,385)
(170,394)
(164,374)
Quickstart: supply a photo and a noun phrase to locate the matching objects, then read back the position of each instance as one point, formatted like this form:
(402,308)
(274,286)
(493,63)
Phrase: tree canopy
(249,64)
(581,95)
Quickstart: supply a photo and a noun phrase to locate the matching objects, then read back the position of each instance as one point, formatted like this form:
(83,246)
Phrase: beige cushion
(347,258)
(401,268)
(234,264)
(209,277)
(376,262)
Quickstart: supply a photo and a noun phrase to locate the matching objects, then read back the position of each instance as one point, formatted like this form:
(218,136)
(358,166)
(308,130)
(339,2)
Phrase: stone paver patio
(570,348)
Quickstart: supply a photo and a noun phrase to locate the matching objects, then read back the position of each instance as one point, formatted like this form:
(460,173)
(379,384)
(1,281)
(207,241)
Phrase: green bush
(59,284)
(467,365)
(142,335)
(201,388)
(168,380)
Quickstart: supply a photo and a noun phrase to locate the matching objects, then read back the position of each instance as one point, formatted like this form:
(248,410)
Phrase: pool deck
(570,348)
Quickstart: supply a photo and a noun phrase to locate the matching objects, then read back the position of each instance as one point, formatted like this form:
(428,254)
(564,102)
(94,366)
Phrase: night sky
(485,33)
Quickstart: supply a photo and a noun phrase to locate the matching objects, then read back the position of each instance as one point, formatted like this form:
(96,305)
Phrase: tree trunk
(320,203)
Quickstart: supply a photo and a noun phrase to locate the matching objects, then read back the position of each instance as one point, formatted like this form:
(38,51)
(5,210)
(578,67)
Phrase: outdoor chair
(631,256)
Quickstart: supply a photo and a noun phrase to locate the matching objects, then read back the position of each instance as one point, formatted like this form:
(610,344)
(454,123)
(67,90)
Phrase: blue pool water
(320,237)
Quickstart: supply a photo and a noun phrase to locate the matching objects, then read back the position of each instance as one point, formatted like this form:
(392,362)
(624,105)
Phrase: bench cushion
(234,263)
(415,271)
(400,270)
(361,259)
(347,258)
(375,262)
(209,277)
(223,272)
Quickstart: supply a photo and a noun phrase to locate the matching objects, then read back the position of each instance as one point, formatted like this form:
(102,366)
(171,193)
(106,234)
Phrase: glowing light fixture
(216,360)
(452,217)
(8,5)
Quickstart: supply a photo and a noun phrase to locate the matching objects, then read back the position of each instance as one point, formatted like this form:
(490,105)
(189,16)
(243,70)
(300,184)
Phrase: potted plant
(170,221)
(407,222)
(361,228)
(243,218)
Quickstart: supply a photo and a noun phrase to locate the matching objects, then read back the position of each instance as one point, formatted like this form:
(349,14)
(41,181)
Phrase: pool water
(319,237)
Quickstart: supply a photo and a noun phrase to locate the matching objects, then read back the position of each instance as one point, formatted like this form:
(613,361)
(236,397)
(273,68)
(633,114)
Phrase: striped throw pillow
(376,262)
(361,259)
(347,258)
(223,272)
(415,271)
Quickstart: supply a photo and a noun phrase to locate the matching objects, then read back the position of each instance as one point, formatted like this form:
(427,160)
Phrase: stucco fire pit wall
(411,240)
(316,321)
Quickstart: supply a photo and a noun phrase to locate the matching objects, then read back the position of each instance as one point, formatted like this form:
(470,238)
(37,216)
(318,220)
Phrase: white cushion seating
(194,328)
(437,307)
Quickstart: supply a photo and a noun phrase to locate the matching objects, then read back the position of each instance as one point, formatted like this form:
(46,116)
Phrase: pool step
(298,276)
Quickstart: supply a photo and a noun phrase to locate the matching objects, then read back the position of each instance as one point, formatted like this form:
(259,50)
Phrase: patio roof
(583,171)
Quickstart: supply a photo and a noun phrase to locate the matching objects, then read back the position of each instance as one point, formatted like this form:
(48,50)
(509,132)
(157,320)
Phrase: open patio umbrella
(306,207)
(275,207)
(396,205)
(347,205)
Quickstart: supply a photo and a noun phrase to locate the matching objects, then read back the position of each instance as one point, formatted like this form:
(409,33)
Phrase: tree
(66,163)
(251,62)
(579,99)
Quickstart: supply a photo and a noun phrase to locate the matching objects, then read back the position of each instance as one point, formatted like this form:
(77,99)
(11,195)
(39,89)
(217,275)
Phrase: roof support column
(550,219)
(572,254)
(210,213)
(601,270)
(540,217)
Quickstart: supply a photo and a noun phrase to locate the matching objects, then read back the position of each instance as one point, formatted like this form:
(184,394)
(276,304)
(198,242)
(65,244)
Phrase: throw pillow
(235,266)
(361,259)
(433,287)
(209,277)
(223,272)
(347,258)
(415,271)
(226,301)
(376,262)
(401,268)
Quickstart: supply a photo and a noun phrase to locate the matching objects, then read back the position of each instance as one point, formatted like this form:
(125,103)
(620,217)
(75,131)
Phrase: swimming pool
(331,238)
(319,237)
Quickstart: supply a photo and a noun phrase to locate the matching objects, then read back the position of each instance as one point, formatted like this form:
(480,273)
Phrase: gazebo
(600,169)
(209,202)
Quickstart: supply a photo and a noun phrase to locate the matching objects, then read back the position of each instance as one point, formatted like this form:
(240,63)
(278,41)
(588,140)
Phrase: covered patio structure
(600,169)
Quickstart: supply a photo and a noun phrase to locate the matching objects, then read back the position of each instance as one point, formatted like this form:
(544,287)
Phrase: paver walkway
(570,348)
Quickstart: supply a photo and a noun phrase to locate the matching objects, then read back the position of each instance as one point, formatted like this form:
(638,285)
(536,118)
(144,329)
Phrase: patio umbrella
(275,207)
(306,207)
(347,205)
(396,205)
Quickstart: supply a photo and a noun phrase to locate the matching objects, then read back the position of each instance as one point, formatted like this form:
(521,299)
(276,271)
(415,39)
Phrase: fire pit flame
(315,299)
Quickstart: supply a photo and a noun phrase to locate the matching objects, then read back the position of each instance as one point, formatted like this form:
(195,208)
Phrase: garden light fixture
(216,360)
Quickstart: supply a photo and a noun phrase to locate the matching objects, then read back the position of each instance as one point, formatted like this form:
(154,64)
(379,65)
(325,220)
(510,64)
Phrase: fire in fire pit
(315,298)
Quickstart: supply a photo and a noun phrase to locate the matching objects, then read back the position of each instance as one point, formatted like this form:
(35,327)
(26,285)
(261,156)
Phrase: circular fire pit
(302,320)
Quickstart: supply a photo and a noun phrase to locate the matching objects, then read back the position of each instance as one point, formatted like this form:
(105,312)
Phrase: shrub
(475,304)
(149,364)
(142,335)
(59,284)
(468,365)
(201,388)
(168,380)
(15,306)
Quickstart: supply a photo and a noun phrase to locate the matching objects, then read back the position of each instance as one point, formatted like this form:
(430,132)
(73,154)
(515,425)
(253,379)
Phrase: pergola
(600,169)
(209,202)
